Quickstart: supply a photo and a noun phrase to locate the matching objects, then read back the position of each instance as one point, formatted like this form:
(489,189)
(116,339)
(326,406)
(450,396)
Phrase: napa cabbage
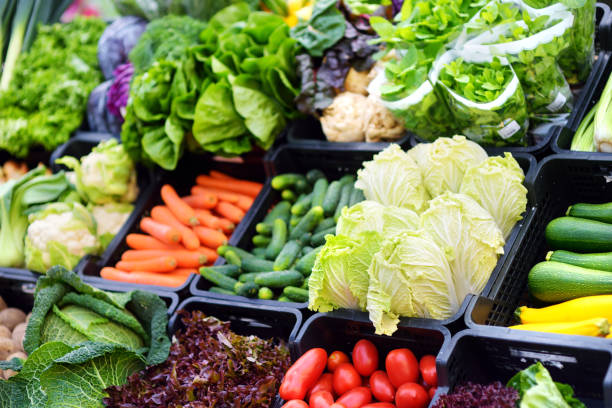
(372,216)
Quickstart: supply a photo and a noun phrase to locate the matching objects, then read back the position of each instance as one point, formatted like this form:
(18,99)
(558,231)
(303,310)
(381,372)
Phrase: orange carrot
(142,241)
(244,203)
(163,232)
(226,225)
(205,201)
(229,211)
(211,254)
(159,264)
(221,176)
(221,194)
(186,272)
(172,279)
(184,259)
(208,220)
(179,208)
(163,215)
(210,237)
(238,186)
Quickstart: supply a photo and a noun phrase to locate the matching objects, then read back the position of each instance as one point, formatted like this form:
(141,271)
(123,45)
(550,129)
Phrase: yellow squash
(571,311)
(592,327)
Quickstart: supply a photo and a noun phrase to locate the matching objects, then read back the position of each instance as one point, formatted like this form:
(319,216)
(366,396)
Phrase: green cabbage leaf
(372,216)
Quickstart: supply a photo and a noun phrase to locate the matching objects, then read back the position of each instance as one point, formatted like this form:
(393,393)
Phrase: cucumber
(332,196)
(309,222)
(261,241)
(347,179)
(219,279)
(280,210)
(579,235)
(296,294)
(284,299)
(256,265)
(318,239)
(228,270)
(302,205)
(259,253)
(318,192)
(246,289)
(356,197)
(601,261)
(279,279)
(313,175)
(263,229)
(285,181)
(306,263)
(216,289)
(279,238)
(306,250)
(345,197)
(287,255)
(597,212)
(232,258)
(554,282)
(248,277)
(305,239)
(305,284)
(240,252)
(325,224)
(302,186)
(289,195)
(265,293)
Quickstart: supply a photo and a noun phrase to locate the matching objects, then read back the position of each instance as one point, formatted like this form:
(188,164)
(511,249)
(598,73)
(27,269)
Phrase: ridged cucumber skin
(554,282)
(601,261)
(579,235)
(597,212)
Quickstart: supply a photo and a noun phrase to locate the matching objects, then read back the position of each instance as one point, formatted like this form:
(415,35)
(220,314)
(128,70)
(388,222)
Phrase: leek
(20,21)
(583,139)
(6,15)
(602,133)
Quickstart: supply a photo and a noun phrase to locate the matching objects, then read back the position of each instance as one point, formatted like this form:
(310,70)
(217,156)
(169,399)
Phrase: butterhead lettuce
(409,276)
(372,216)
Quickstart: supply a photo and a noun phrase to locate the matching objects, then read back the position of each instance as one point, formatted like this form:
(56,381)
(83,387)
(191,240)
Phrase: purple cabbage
(119,91)
(117,41)
(397,6)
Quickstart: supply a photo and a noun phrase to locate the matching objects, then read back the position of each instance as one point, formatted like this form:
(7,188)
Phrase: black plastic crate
(560,180)
(341,330)
(308,132)
(485,356)
(182,179)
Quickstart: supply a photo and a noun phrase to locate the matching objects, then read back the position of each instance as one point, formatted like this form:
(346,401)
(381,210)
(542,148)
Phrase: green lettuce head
(393,178)
(105,175)
(444,162)
(61,234)
(372,216)
(410,277)
(497,185)
(469,237)
(339,277)
(109,220)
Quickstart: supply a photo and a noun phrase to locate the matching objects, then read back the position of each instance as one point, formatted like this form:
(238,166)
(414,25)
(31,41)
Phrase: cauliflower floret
(381,125)
(109,218)
(344,119)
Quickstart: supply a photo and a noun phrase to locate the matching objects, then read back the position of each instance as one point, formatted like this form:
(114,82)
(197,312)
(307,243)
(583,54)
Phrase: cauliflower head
(109,220)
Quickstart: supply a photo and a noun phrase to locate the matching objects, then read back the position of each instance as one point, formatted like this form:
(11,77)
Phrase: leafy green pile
(477,82)
(81,340)
(406,74)
(493,14)
(155,9)
(324,28)
(47,97)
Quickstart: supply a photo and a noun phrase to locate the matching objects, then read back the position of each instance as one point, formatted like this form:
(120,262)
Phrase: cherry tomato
(321,399)
(295,404)
(365,357)
(335,359)
(381,387)
(303,374)
(411,395)
(379,405)
(324,383)
(427,365)
(356,398)
(432,392)
(402,367)
(345,378)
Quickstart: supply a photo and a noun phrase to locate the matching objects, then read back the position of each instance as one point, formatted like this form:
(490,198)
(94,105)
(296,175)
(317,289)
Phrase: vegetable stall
(305,203)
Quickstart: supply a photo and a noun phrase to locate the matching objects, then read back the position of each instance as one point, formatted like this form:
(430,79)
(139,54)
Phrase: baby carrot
(221,194)
(226,225)
(179,208)
(159,264)
(244,203)
(163,232)
(211,254)
(210,238)
(186,272)
(229,211)
(239,186)
(205,201)
(172,279)
(184,259)
(221,176)
(163,215)
(208,220)
(142,241)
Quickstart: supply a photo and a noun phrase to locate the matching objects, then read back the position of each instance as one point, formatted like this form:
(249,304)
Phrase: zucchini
(306,263)
(265,293)
(279,237)
(246,289)
(286,181)
(259,253)
(309,222)
(313,175)
(248,277)
(597,212)
(318,239)
(356,197)
(216,289)
(296,294)
(302,205)
(573,310)
(219,279)
(325,224)
(287,255)
(228,270)
(256,265)
(279,279)
(232,258)
(332,196)
(289,195)
(579,235)
(261,241)
(318,192)
(601,261)
(345,197)
(284,299)
(263,229)
(347,179)
(280,210)
(554,282)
